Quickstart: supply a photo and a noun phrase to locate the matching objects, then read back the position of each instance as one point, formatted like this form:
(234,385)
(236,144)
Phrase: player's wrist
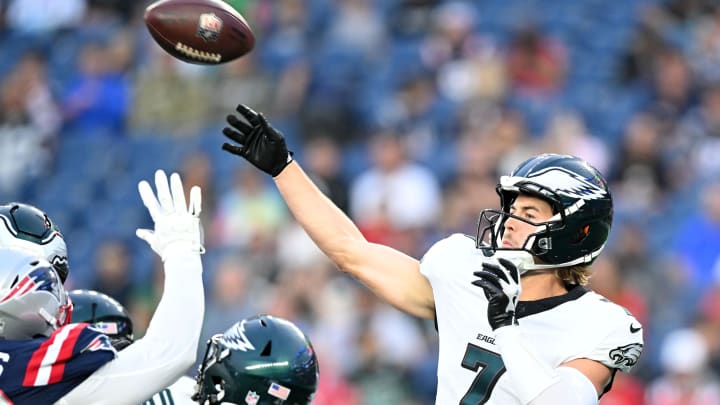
(504,319)
(280,167)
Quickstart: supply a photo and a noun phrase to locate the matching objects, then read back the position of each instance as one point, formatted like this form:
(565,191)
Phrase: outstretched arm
(392,275)
(168,348)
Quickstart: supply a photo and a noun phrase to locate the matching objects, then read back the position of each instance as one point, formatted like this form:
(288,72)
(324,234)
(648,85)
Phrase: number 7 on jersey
(491,368)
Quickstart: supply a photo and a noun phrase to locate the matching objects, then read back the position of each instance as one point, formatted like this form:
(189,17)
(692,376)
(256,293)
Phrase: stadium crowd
(404,111)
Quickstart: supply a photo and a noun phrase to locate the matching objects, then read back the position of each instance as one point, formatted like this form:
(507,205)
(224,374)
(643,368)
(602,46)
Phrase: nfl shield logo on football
(209,26)
(252,398)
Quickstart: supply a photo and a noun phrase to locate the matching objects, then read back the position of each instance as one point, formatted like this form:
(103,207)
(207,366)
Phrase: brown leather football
(206,32)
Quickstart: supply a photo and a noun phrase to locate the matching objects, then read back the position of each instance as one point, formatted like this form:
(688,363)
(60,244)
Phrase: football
(206,32)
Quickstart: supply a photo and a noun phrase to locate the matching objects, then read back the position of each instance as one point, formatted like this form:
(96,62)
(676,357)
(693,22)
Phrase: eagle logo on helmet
(236,339)
(566,183)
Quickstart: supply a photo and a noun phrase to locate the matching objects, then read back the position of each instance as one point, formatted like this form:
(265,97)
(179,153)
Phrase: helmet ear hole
(267,350)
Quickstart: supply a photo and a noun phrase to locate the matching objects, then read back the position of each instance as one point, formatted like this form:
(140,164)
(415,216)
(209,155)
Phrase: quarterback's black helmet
(24,225)
(105,314)
(581,203)
(259,360)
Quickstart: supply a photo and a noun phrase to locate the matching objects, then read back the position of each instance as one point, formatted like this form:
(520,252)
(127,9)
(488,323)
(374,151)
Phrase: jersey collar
(527,308)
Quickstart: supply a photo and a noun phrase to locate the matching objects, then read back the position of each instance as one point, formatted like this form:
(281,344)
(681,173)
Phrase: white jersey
(579,324)
(180,393)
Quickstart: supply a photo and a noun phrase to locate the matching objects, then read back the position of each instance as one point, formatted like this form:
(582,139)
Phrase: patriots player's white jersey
(579,324)
(180,393)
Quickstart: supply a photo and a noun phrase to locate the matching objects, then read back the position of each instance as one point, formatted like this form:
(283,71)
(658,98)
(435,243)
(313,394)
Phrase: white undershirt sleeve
(536,383)
(571,388)
(165,352)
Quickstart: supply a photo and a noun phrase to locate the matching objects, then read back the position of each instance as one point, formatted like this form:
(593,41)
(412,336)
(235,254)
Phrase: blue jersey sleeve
(43,370)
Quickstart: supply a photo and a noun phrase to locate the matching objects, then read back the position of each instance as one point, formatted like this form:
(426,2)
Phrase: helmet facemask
(539,244)
(211,392)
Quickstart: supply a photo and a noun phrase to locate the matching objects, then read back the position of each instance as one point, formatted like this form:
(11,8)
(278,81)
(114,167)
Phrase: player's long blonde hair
(574,275)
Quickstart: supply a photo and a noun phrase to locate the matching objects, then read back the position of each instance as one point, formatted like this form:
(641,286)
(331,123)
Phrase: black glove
(261,144)
(501,285)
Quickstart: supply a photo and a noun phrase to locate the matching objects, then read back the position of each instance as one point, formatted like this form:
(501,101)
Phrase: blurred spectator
(230,296)
(96,101)
(286,28)
(166,100)
(113,11)
(697,242)
(686,379)
(705,49)
(196,170)
(248,213)
(638,61)
(388,342)
(630,248)
(638,175)
(357,24)
(322,160)
(112,272)
(239,81)
(672,89)
(40,16)
(566,133)
(698,136)
(426,118)
(394,194)
(29,121)
(472,189)
(411,18)
(509,135)
(536,64)
(468,66)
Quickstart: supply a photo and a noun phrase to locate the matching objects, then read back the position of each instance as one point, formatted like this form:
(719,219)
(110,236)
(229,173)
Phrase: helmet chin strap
(525,261)
(522,259)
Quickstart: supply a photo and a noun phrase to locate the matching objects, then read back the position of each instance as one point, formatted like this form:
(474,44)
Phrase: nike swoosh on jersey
(633,329)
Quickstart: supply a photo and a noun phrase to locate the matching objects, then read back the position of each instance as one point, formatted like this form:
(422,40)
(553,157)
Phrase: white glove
(177,226)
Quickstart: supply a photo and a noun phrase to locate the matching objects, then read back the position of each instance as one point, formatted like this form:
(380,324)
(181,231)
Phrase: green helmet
(581,203)
(26,226)
(105,314)
(259,360)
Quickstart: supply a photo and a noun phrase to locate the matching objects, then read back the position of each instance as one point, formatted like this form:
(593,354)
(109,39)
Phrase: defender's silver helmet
(33,301)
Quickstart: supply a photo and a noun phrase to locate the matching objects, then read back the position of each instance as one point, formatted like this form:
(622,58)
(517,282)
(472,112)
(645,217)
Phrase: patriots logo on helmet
(627,355)
(235,338)
(569,184)
(38,279)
